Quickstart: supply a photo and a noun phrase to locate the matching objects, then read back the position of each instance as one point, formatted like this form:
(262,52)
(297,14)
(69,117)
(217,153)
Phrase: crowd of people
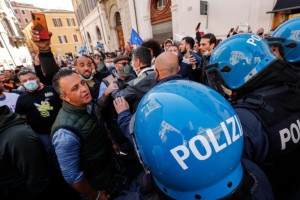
(200,118)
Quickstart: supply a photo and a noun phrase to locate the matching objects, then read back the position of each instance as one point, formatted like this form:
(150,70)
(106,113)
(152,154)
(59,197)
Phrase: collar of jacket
(73,109)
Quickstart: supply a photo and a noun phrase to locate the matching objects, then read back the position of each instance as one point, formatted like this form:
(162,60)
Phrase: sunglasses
(123,63)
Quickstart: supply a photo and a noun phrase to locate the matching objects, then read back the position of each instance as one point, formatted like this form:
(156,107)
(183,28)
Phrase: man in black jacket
(23,173)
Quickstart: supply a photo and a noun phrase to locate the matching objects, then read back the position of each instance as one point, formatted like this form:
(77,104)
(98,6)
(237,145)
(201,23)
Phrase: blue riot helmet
(288,34)
(237,60)
(190,139)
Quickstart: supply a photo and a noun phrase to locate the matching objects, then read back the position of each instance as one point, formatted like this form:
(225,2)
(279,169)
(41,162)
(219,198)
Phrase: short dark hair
(85,56)
(190,41)
(154,45)
(212,38)
(63,72)
(143,54)
(25,71)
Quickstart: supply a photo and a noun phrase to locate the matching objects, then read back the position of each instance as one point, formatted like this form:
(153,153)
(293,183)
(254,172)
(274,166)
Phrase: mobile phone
(191,53)
(40,24)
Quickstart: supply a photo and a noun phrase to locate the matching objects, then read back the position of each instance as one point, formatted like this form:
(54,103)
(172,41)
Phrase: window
(71,22)
(62,39)
(31,11)
(16,11)
(89,37)
(75,38)
(8,4)
(118,19)
(19,30)
(26,20)
(19,20)
(1,45)
(98,33)
(86,8)
(10,31)
(161,4)
(23,12)
(57,22)
(92,4)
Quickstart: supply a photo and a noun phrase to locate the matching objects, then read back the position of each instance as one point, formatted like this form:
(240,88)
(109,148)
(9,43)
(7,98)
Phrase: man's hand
(193,62)
(121,104)
(41,44)
(110,79)
(110,89)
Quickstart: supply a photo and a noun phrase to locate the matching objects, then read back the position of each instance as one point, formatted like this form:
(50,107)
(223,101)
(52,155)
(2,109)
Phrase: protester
(145,80)
(84,151)
(8,99)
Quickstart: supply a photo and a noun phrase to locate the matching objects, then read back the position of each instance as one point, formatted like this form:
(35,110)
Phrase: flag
(135,38)
(99,45)
(83,49)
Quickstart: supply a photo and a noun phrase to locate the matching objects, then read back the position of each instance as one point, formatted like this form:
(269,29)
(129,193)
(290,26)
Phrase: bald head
(166,64)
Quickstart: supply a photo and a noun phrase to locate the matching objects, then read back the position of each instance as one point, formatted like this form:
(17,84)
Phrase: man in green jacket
(81,143)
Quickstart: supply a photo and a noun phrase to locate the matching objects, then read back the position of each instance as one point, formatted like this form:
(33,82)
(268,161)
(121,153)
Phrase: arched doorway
(119,30)
(161,20)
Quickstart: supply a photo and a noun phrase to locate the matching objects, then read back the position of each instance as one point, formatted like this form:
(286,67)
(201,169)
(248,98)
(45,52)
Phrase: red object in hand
(40,25)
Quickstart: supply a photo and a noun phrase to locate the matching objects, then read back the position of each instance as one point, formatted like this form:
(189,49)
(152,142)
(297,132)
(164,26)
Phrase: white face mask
(153,59)
(86,79)
(206,53)
(185,60)
(31,85)
(109,64)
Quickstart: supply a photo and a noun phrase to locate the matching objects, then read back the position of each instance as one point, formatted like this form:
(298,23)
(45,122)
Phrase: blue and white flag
(135,38)
(99,45)
(83,49)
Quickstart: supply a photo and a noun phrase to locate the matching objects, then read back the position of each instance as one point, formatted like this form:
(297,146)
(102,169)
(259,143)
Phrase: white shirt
(10,100)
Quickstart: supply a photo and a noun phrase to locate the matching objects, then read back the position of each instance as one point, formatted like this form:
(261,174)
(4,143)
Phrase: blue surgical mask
(31,85)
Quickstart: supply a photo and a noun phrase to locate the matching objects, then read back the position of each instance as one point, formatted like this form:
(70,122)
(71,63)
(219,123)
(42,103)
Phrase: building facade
(23,12)
(66,40)
(163,19)
(102,23)
(13,49)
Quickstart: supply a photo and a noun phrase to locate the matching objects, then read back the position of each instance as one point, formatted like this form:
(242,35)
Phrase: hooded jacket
(22,172)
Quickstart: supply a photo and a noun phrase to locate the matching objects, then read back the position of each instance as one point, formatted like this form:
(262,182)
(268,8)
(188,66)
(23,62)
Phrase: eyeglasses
(123,63)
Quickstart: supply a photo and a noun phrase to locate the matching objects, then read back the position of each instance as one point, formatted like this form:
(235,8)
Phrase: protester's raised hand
(41,44)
